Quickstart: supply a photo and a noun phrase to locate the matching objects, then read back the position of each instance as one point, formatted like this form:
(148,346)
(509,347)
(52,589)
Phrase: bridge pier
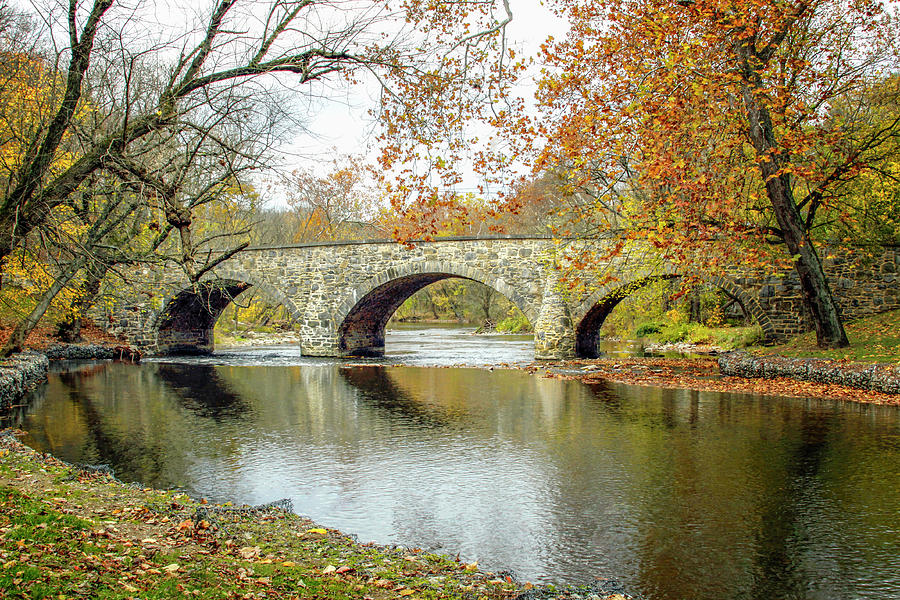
(554,331)
(319,338)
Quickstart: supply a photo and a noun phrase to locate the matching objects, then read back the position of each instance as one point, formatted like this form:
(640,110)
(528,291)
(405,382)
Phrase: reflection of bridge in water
(343,294)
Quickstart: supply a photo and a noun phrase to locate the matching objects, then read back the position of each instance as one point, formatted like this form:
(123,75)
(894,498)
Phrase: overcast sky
(337,121)
(342,122)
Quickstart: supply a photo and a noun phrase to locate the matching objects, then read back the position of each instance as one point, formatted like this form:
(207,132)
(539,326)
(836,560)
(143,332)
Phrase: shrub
(514,323)
(648,328)
(677,332)
(738,337)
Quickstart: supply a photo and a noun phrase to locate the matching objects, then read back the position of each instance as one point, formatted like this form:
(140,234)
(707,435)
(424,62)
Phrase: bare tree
(245,49)
(338,205)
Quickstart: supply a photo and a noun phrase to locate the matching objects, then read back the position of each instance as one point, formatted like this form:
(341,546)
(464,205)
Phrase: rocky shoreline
(19,374)
(878,377)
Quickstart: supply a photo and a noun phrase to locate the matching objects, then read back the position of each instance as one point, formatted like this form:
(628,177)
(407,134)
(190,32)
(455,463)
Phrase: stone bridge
(341,295)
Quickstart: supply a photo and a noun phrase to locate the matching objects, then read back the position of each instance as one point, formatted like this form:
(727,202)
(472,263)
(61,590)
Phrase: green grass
(516,323)
(873,339)
(727,338)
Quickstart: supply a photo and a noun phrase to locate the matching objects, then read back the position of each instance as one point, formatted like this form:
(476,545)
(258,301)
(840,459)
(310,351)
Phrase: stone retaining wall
(865,282)
(91,352)
(880,377)
(19,374)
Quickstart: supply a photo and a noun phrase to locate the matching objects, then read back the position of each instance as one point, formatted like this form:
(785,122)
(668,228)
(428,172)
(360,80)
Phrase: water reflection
(680,494)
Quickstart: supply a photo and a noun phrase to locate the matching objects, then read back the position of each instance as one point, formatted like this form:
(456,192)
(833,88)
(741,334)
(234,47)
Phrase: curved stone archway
(591,314)
(364,314)
(186,322)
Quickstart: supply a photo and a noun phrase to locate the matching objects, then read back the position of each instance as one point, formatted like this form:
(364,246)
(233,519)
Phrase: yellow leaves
(29,97)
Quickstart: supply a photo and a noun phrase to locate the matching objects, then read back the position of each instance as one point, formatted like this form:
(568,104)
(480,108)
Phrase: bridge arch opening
(362,330)
(587,331)
(187,321)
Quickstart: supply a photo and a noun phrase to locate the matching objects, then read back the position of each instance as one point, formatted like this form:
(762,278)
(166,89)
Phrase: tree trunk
(70,329)
(487,300)
(817,294)
(694,312)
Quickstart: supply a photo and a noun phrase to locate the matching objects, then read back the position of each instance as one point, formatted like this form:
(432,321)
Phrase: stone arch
(186,322)
(591,313)
(361,318)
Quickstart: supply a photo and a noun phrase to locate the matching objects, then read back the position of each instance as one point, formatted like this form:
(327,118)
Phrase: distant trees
(338,205)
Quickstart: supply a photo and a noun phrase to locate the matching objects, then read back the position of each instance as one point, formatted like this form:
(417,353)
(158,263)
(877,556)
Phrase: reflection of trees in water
(782,540)
(379,391)
(136,418)
(132,458)
(200,389)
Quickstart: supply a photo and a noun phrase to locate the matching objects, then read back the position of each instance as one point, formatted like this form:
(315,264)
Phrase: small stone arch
(591,313)
(362,316)
(186,322)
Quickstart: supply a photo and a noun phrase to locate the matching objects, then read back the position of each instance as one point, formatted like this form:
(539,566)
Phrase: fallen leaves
(150,539)
(703,375)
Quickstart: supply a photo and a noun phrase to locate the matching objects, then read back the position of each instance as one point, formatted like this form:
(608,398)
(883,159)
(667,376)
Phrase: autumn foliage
(716,131)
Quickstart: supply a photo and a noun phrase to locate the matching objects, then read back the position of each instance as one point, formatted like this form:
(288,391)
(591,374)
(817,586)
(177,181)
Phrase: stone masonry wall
(864,282)
(324,283)
(342,294)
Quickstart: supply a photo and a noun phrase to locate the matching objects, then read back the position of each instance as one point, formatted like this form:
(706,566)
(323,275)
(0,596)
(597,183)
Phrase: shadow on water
(200,389)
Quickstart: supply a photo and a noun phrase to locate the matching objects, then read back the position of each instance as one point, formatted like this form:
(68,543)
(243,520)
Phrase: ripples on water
(678,494)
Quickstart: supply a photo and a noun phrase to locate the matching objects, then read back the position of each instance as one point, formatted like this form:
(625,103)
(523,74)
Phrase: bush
(515,323)
(738,337)
(700,334)
(674,333)
(648,328)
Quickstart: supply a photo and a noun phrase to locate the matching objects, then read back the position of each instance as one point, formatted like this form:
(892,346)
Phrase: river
(677,494)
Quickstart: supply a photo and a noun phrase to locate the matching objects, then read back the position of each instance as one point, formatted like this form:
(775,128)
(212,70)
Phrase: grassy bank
(873,339)
(70,533)
(726,338)
(66,533)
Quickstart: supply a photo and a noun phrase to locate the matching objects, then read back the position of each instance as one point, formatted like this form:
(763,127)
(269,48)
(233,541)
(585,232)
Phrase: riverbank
(19,374)
(68,532)
(703,374)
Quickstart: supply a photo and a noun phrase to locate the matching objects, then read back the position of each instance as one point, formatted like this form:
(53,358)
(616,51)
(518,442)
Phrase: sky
(341,124)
